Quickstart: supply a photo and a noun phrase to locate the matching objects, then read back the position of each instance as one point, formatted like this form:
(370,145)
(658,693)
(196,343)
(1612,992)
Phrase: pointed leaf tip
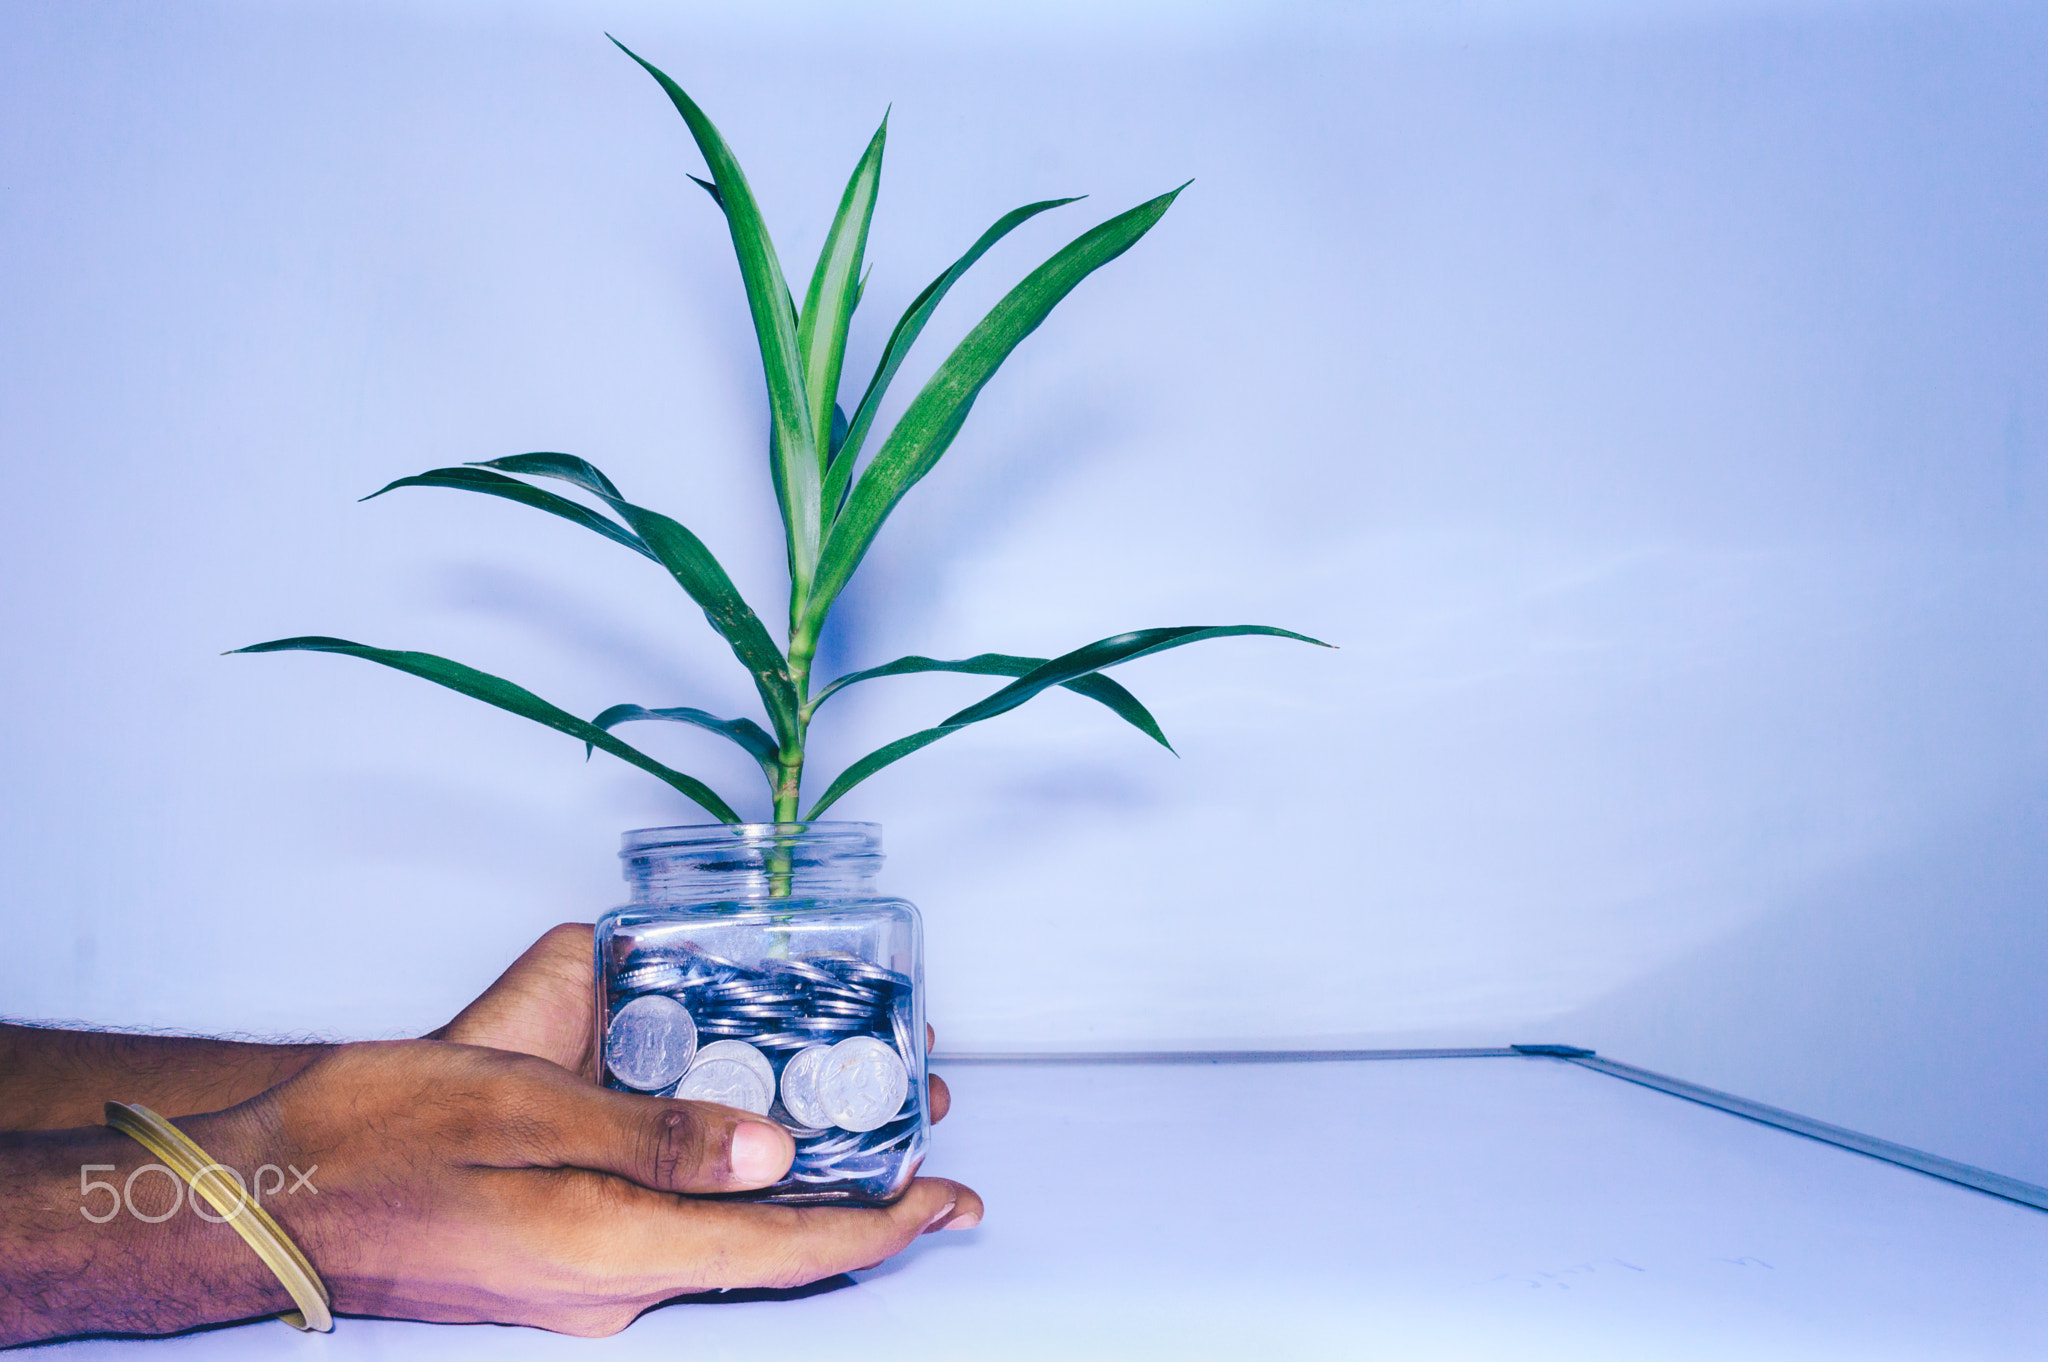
(503,694)
(927,427)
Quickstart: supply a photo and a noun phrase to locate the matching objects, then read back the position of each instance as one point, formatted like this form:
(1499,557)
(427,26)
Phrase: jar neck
(721,862)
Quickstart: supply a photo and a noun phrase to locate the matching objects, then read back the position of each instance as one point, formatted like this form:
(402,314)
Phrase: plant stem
(788,785)
(789,763)
(803,647)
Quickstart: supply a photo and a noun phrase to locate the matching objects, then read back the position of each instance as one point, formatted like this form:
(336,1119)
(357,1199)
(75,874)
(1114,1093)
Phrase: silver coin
(840,1025)
(650,1042)
(906,1040)
(658,977)
(851,993)
(882,1146)
(862,972)
(742,1053)
(861,1084)
(797,1129)
(802,969)
(835,1143)
(721,996)
(727,1082)
(717,962)
(800,1086)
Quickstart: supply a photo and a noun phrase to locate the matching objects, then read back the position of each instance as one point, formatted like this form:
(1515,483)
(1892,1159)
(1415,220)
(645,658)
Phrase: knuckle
(677,1150)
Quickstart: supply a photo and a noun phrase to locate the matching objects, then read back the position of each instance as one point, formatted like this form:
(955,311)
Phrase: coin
(741,1053)
(890,1140)
(800,1086)
(717,962)
(727,1082)
(761,1012)
(862,1083)
(802,969)
(863,972)
(830,1147)
(826,1022)
(852,993)
(906,1040)
(750,991)
(797,1129)
(650,1042)
(642,975)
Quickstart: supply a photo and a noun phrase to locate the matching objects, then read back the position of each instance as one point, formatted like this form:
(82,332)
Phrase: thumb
(664,1143)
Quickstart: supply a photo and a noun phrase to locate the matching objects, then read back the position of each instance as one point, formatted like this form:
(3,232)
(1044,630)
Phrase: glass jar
(756,966)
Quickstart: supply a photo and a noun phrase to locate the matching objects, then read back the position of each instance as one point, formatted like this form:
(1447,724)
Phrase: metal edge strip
(1933,1165)
(1215,1056)
(1917,1160)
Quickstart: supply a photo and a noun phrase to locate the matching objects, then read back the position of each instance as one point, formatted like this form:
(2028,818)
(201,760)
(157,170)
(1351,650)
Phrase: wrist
(96,1236)
(54,1080)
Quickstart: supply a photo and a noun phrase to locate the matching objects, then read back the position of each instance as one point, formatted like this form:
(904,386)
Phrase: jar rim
(708,836)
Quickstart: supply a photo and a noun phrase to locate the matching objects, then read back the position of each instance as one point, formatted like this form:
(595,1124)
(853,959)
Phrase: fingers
(941,1100)
(540,1005)
(661,1143)
(791,1245)
(965,1215)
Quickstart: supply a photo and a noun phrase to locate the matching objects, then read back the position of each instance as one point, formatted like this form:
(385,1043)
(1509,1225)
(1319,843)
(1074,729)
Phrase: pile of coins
(821,1043)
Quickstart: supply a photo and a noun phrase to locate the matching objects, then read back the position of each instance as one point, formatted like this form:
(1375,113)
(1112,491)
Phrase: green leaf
(1109,652)
(935,415)
(699,573)
(793,447)
(493,690)
(1080,662)
(492,484)
(748,734)
(875,761)
(835,288)
(696,569)
(838,428)
(905,335)
(567,467)
(1098,688)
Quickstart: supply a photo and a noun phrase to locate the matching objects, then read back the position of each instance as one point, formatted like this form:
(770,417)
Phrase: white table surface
(1409,1209)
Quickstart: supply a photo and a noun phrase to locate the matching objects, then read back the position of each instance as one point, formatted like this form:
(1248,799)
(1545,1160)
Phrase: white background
(1649,398)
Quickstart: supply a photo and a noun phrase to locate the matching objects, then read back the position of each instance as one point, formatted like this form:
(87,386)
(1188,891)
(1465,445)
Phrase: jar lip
(708,836)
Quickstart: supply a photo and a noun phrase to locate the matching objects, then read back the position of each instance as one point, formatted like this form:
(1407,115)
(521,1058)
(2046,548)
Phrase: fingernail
(757,1153)
(938,1222)
(966,1220)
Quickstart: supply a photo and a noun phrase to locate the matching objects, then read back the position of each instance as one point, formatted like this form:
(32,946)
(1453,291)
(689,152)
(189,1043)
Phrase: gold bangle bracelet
(227,1196)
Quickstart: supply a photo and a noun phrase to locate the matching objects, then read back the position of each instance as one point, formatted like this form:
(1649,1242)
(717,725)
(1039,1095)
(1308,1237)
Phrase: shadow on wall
(1906,998)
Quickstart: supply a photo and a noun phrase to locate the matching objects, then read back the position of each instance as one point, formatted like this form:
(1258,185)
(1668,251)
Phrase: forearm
(54,1080)
(62,1274)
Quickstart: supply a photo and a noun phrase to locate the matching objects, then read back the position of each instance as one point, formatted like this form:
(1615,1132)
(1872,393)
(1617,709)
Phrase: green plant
(830,513)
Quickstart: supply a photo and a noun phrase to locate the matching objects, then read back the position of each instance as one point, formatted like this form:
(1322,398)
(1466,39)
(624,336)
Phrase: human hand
(545,1005)
(464,1184)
